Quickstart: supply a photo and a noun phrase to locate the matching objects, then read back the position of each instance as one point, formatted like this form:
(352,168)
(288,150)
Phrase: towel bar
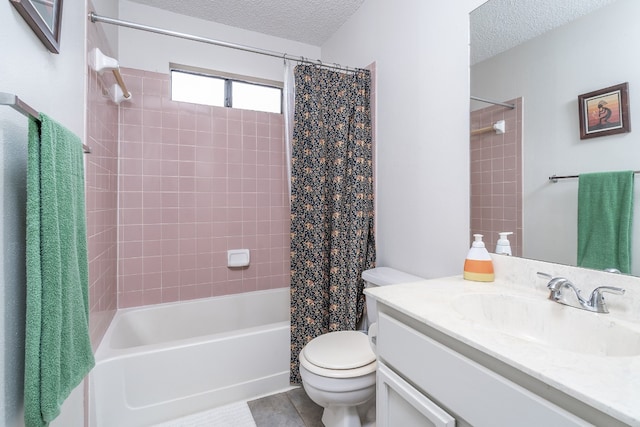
(555,178)
(22,107)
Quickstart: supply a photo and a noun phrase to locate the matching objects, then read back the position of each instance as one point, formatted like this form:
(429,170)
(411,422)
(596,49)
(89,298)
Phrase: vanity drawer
(471,391)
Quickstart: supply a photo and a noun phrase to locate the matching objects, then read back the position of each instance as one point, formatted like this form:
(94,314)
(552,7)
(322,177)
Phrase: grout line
(296,409)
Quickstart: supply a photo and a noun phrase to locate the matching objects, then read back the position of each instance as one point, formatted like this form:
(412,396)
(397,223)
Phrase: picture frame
(44,17)
(604,112)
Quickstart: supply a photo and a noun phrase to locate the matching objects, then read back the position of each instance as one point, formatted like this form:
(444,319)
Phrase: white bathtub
(165,361)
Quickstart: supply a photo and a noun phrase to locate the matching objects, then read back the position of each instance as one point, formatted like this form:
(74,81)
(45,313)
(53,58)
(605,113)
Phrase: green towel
(605,213)
(58,352)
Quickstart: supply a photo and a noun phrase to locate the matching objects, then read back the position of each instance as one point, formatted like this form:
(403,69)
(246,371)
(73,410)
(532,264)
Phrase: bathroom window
(199,87)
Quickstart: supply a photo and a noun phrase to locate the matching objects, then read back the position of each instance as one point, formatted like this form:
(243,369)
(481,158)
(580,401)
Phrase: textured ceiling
(499,25)
(307,21)
(496,26)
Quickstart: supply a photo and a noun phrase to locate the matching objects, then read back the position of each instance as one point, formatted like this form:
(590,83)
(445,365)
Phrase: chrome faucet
(594,303)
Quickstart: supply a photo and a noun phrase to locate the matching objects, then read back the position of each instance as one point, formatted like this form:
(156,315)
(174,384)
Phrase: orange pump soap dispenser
(478,265)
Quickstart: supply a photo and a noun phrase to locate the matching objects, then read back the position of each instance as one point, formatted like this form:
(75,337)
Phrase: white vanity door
(399,404)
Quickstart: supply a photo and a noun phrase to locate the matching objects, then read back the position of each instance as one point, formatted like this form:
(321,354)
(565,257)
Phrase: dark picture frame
(44,17)
(604,112)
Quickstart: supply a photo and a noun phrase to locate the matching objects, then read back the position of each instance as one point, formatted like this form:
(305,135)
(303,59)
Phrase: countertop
(609,384)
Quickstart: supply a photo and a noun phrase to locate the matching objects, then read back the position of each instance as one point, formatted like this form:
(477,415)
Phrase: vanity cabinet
(422,382)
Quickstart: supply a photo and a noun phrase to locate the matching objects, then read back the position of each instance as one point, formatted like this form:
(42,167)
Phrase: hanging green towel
(58,352)
(605,213)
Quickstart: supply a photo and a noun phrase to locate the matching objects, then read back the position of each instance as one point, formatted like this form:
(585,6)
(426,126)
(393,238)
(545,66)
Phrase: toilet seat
(341,354)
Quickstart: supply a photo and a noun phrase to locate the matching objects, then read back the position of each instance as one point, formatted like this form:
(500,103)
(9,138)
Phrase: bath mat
(233,415)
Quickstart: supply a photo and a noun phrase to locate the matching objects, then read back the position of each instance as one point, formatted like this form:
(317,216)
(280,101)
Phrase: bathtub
(166,361)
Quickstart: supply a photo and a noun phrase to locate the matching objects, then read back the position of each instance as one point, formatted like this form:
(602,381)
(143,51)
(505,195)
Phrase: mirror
(549,72)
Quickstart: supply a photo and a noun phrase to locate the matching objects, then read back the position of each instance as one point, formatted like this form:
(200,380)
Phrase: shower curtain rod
(488,101)
(97,18)
(22,107)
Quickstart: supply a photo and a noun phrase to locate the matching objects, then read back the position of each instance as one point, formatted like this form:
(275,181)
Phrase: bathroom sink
(551,324)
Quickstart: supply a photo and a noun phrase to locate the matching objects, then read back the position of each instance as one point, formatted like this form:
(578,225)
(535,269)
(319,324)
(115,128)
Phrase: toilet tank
(383,276)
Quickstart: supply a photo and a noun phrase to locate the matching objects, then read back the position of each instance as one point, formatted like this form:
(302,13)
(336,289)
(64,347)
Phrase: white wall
(421,50)
(550,72)
(153,52)
(53,84)
(108,8)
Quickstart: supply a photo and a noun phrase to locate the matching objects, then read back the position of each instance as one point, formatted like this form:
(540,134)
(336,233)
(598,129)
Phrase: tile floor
(289,409)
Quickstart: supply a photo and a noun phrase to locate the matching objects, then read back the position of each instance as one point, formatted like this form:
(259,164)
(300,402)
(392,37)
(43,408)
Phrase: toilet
(338,369)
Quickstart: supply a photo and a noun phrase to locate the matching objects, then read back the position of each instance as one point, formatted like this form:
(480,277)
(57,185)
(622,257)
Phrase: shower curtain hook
(284,58)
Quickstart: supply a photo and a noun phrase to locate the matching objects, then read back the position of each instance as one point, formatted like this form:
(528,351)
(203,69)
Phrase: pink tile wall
(496,176)
(101,171)
(194,182)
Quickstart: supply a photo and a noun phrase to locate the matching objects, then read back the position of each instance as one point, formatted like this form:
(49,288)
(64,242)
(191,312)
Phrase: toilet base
(350,416)
(341,416)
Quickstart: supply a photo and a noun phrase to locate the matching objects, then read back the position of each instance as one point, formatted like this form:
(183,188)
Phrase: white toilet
(338,369)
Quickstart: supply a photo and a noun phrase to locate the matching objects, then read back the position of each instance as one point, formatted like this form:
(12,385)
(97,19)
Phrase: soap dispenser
(503,246)
(478,266)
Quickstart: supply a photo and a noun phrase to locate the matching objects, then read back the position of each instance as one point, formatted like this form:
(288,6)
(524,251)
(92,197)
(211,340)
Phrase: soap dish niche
(238,258)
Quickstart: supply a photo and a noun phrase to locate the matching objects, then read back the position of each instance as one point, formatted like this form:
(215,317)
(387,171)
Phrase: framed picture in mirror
(604,112)
(43,16)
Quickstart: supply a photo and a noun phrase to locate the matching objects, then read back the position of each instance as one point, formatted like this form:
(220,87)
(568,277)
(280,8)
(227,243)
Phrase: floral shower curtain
(332,239)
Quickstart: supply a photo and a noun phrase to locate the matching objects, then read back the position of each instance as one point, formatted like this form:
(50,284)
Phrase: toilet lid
(340,350)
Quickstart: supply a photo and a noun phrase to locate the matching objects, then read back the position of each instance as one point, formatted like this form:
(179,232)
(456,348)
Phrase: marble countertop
(608,384)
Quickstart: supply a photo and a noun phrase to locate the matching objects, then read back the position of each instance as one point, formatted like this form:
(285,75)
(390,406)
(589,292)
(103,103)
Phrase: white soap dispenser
(503,246)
